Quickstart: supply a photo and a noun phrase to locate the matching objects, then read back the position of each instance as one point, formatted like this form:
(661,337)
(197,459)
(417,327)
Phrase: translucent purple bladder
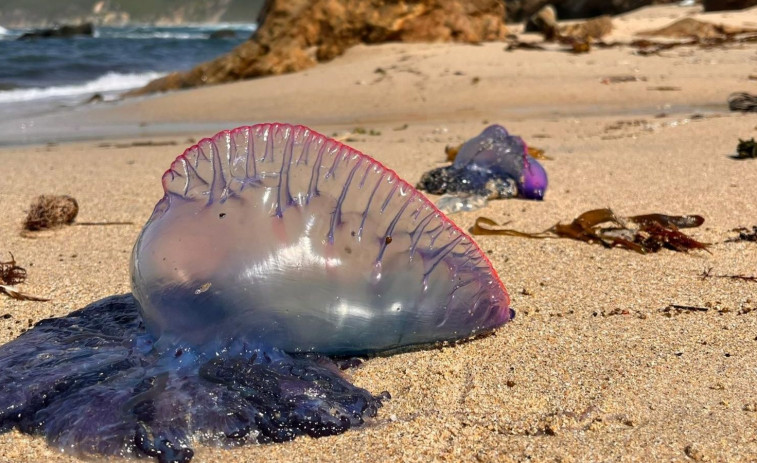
(278,235)
(272,246)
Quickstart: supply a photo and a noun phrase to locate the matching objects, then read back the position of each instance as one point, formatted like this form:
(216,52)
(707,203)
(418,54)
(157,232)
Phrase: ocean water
(47,75)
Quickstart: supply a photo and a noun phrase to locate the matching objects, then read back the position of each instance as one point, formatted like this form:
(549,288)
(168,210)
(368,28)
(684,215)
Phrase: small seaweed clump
(10,275)
(746,149)
(640,233)
(51,211)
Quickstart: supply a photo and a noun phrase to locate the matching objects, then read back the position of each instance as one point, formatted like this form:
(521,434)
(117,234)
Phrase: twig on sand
(707,273)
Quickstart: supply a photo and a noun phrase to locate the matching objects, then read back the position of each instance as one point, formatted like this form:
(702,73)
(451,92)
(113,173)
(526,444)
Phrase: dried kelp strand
(640,233)
(678,221)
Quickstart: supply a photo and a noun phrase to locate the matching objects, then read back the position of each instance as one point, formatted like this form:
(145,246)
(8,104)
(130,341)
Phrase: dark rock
(296,34)
(65,31)
(742,101)
(720,5)
(544,21)
(95,98)
(519,10)
(223,34)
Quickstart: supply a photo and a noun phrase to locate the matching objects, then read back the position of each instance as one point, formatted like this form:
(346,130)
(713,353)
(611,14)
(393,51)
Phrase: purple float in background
(492,165)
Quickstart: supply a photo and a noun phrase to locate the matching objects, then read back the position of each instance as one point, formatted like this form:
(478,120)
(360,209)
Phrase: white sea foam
(157,35)
(183,32)
(108,83)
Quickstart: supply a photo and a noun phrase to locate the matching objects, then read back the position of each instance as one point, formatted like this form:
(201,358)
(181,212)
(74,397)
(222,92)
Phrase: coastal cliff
(296,34)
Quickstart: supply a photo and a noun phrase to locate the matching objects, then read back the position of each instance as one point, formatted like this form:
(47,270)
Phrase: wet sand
(593,368)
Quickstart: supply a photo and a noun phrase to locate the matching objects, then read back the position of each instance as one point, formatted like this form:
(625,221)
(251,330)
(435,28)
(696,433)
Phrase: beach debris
(622,79)
(492,165)
(51,211)
(139,144)
(676,309)
(12,275)
(516,44)
(641,233)
(745,234)
(742,101)
(664,88)
(746,149)
(364,131)
(707,273)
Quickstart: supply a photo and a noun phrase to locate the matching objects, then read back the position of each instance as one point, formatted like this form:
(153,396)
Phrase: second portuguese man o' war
(272,247)
(494,164)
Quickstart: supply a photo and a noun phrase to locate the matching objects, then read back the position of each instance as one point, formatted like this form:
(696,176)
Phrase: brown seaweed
(10,275)
(51,211)
(641,233)
(746,149)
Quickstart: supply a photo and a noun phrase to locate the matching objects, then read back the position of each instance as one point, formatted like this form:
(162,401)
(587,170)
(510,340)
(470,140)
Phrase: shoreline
(435,82)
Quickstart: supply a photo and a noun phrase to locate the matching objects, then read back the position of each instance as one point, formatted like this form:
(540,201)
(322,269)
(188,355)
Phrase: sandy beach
(593,368)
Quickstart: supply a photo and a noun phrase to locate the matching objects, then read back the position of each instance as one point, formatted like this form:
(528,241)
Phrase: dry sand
(591,369)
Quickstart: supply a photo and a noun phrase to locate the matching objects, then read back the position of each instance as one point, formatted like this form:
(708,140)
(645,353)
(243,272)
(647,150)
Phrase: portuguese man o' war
(492,165)
(272,247)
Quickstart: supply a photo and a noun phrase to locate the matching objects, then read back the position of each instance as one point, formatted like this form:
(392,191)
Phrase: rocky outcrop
(519,10)
(86,29)
(720,5)
(296,34)
(545,21)
(690,28)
